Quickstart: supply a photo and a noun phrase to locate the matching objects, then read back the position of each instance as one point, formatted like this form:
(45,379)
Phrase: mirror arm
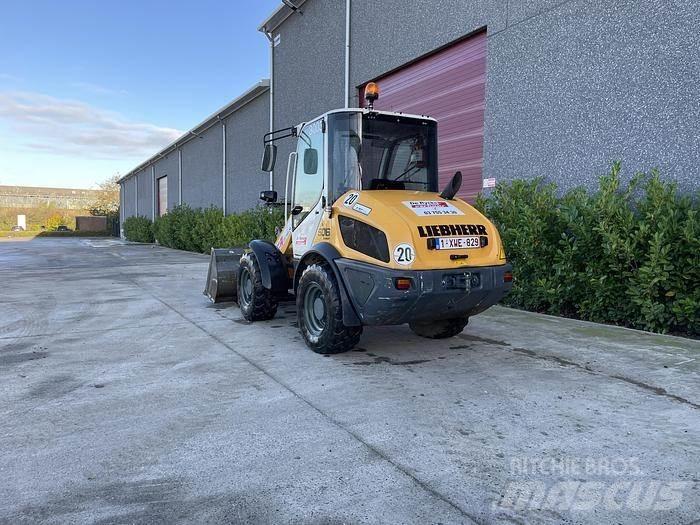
(272,136)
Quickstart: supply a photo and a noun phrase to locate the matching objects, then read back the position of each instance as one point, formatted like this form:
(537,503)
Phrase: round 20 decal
(404,254)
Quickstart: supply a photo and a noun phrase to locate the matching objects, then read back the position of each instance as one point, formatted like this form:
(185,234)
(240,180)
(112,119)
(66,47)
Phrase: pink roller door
(449,86)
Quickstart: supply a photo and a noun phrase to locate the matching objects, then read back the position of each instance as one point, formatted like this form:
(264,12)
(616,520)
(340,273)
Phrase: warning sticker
(430,208)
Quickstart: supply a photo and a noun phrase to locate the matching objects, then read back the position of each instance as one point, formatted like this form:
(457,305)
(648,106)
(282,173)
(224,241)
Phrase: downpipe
(347,53)
(271,39)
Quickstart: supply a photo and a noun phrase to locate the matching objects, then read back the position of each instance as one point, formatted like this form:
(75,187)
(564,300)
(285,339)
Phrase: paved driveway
(126,397)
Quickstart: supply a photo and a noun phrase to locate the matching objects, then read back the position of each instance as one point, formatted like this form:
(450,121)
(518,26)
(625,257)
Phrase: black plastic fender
(273,266)
(328,253)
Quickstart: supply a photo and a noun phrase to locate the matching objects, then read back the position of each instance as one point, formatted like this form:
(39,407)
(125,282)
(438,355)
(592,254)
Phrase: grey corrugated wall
(202,175)
(129,197)
(167,166)
(308,70)
(588,82)
(571,85)
(145,193)
(244,146)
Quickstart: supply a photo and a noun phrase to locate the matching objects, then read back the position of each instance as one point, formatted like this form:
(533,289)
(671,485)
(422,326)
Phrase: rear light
(403,283)
(508,277)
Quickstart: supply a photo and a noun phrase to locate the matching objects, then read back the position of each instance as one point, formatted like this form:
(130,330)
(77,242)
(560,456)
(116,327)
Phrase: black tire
(320,312)
(440,329)
(256,302)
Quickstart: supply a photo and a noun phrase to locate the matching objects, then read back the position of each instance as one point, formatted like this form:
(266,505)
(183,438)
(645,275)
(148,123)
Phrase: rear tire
(256,302)
(320,312)
(440,329)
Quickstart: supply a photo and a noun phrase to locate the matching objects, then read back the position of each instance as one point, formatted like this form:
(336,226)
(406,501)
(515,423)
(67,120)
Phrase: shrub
(627,254)
(163,230)
(199,230)
(175,229)
(54,221)
(208,230)
(138,229)
(184,221)
(257,223)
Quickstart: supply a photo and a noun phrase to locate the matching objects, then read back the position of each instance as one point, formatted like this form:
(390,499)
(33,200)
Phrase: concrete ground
(125,397)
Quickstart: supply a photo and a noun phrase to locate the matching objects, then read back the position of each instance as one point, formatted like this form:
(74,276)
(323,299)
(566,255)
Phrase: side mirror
(269,157)
(297,209)
(268,196)
(310,161)
(453,187)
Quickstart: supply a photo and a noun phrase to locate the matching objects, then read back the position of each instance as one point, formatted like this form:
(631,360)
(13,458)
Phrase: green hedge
(627,254)
(138,229)
(199,230)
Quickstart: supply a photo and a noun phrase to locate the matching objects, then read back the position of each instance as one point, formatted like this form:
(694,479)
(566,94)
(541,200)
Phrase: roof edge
(224,112)
(278,16)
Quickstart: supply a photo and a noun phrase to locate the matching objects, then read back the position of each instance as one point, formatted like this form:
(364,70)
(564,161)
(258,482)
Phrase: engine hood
(414,223)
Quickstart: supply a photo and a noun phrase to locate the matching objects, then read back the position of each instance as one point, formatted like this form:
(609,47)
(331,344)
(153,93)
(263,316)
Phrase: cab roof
(367,111)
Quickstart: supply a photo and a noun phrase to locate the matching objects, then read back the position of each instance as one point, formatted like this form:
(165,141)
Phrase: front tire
(256,302)
(320,312)
(440,329)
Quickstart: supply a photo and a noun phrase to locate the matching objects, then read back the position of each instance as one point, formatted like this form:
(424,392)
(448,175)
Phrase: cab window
(398,153)
(309,170)
(344,150)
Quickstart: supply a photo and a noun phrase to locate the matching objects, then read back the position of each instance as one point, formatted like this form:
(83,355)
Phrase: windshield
(381,152)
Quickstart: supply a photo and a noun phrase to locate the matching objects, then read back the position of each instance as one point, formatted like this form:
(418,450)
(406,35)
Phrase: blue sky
(89,89)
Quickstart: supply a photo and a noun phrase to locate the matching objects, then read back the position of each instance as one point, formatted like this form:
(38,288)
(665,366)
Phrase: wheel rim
(314,310)
(246,287)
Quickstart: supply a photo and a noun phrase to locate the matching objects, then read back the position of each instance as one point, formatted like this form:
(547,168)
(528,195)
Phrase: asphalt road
(125,397)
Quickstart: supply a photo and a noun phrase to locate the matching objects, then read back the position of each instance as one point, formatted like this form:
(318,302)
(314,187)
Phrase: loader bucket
(222,275)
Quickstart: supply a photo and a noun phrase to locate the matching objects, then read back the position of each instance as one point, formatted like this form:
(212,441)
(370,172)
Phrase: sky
(90,89)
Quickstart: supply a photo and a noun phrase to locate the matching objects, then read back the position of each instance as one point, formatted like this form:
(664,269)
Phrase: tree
(54,221)
(107,201)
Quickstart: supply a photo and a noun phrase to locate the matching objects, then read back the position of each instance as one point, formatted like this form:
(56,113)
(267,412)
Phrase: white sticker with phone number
(432,208)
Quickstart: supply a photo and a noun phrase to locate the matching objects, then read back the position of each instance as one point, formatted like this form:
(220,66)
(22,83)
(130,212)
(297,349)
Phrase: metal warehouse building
(552,88)
(211,165)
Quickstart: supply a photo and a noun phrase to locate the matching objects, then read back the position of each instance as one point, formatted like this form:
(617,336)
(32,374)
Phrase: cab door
(308,191)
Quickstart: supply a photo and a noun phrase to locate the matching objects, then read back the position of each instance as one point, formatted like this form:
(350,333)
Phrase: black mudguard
(330,254)
(273,266)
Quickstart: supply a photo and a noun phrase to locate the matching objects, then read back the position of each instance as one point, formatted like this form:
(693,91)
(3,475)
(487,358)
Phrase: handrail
(293,155)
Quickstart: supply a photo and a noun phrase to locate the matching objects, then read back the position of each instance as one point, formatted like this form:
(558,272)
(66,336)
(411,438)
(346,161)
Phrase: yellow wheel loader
(368,237)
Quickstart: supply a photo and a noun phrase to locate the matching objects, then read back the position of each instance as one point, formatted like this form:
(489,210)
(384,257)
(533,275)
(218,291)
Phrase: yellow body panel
(406,217)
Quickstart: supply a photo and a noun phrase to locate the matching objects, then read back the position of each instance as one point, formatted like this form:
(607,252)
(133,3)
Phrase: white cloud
(46,124)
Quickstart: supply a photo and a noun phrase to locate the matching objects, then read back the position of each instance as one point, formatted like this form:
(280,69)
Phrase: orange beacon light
(371,94)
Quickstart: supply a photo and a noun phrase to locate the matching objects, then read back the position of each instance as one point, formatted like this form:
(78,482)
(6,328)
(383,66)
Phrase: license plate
(457,243)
